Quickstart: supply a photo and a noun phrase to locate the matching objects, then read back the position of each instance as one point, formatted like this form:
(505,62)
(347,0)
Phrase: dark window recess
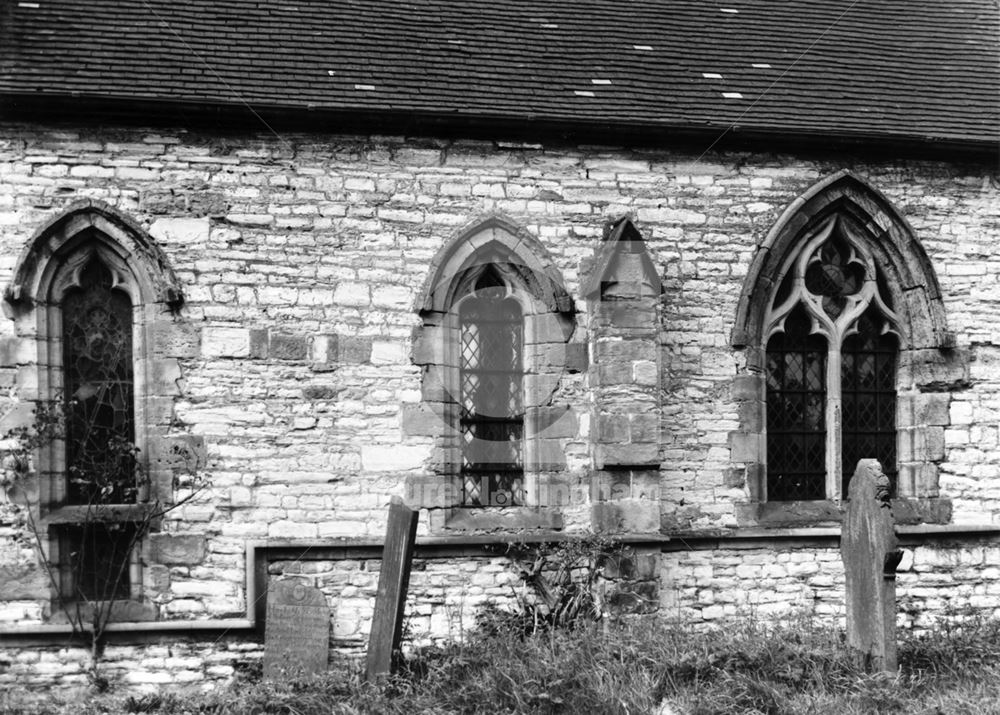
(868,385)
(96,560)
(492,413)
(100,418)
(796,404)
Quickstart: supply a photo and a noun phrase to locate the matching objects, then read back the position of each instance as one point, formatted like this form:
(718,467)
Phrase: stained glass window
(492,413)
(796,429)
(868,391)
(98,385)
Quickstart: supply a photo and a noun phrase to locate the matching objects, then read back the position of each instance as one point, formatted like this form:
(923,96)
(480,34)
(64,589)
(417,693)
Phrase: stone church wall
(291,363)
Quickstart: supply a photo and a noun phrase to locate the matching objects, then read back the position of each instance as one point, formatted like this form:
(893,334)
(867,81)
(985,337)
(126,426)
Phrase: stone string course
(301,261)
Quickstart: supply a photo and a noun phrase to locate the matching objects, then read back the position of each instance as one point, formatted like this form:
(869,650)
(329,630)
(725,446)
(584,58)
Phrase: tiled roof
(905,69)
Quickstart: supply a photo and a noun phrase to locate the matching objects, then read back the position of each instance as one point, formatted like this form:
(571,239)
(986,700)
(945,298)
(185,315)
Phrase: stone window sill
(906,510)
(492,519)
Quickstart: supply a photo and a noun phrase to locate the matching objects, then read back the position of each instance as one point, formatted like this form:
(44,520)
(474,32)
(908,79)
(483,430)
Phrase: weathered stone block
(429,345)
(186,232)
(225,342)
(175,338)
(625,350)
(538,389)
(748,387)
(354,350)
(385,352)
(922,511)
(23,582)
(510,519)
(394,458)
(751,415)
(424,420)
(432,387)
(355,295)
(631,516)
(159,410)
(614,373)
(547,328)
(577,357)
(627,314)
(937,370)
(612,428)
(167,378)
(734,477)
(547,454)
(746,446)
(553,422)
(798,513)
(177,549)
(324,352)
(180,452)
(259,343)
(157,578)
(284,346)
(321,392)
(17,351)
(645,373)
(626,454)
(932,408)
(644,427)
(431,491)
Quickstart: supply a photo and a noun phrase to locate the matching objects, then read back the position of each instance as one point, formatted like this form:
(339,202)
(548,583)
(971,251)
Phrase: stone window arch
(493,343)
(844,333)
(95,295)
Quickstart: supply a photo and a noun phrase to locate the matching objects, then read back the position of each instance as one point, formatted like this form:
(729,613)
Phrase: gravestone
(869,549)
(296,631)
(393,580)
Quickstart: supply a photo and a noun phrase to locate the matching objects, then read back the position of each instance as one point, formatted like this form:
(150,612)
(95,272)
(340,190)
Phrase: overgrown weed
(629,666)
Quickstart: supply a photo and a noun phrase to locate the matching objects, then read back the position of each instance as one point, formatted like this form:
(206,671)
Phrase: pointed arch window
(88,289)
(496,322)
(492,400)
(832,341)
(98,389)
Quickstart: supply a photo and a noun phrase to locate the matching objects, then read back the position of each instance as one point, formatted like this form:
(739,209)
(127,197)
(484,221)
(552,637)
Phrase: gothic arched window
(846,343)
(492,400)
(492,346)
(831,345)
(88,289)
(98,389)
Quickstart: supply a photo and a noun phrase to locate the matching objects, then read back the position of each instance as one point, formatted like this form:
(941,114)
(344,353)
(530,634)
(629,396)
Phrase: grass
(638,666)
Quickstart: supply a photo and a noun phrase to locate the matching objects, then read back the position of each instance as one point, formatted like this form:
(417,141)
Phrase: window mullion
(834,419)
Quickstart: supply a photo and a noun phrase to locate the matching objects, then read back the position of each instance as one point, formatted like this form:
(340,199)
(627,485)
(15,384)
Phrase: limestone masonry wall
(291,362)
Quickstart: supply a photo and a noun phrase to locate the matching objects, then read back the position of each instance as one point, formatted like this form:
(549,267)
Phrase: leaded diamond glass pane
(98,383)
(796,398)
(97,556)
(492,419)
(868,384)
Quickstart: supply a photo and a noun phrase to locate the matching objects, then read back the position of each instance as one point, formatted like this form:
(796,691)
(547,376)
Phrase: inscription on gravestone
(869,549)
(297,630)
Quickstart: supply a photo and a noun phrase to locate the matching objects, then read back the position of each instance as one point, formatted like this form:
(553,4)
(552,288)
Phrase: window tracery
(831,344)
(98,389)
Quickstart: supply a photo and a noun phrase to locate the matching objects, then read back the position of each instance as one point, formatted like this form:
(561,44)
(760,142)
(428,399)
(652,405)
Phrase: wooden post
(869,549)
(393,580)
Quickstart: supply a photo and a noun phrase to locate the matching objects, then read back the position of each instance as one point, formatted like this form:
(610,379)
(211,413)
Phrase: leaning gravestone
(868,547)
(296,632)
(390,599)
